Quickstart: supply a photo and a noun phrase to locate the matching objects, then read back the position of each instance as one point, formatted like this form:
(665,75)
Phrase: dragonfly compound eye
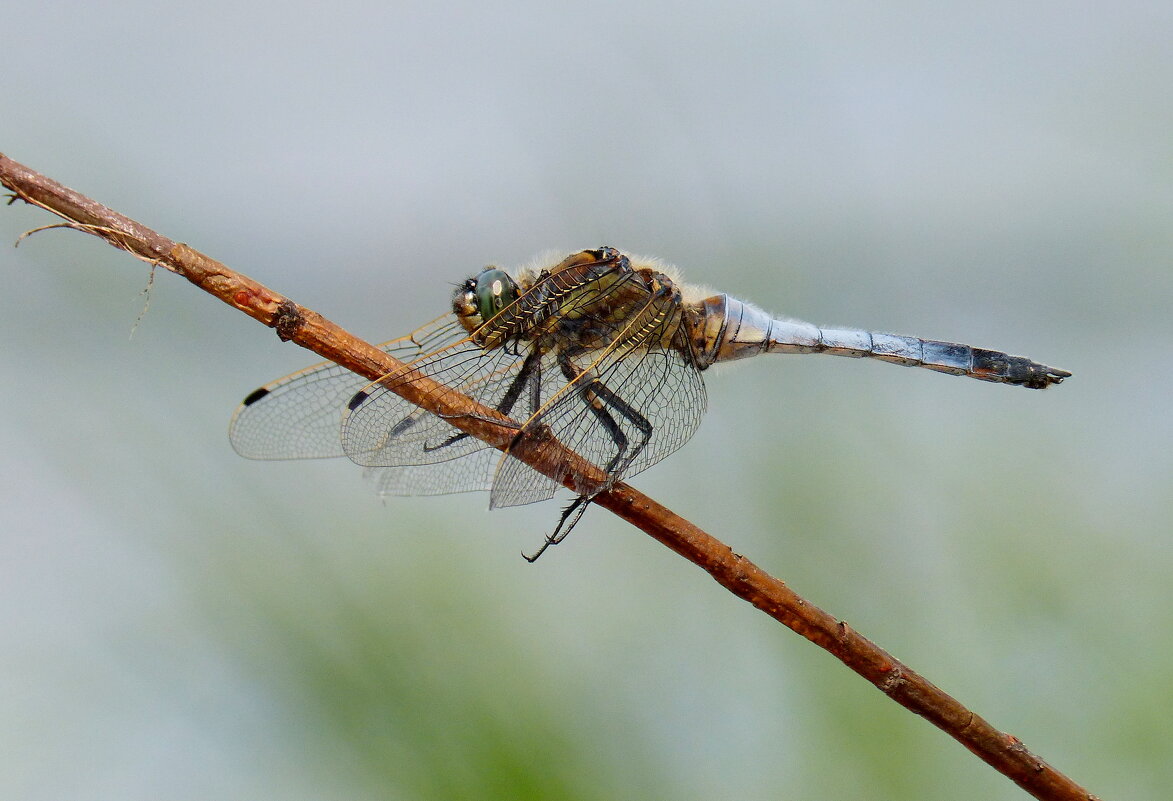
(495,290)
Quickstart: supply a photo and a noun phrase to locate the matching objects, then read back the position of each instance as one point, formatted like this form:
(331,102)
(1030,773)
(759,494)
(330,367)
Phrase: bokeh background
(177,622)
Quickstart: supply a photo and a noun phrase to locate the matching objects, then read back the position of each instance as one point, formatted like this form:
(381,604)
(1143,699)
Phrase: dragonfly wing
(629,406)
(300,416)
(667,390)
(416,452)
(513,482)
(471,473)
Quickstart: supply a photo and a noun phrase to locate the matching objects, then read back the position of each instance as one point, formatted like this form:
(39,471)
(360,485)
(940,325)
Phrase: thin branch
(1004,752)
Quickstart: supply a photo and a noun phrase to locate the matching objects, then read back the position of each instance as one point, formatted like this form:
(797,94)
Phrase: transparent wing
(419,453)
(300,416)
(473,472)
(627,407)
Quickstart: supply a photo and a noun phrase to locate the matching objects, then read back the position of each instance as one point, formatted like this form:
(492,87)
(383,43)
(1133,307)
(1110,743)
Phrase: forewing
(300,416)
(420,453)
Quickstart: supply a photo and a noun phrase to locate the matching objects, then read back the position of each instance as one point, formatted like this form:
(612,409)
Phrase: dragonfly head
(481,297)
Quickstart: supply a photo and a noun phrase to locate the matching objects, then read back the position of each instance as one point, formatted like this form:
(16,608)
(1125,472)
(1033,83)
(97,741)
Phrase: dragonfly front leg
(529,375)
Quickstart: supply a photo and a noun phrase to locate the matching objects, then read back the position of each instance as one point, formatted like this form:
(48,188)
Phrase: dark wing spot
(402,426)
(255,396)
(357,400)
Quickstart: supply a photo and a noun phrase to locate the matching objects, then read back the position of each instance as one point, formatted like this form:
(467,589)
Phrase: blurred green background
(180,623)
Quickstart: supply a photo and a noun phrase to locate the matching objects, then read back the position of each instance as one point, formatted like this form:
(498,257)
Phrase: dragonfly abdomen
(730,329)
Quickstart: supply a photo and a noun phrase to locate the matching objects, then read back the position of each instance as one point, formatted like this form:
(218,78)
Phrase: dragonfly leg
(597,396)
(573,512)
(530,374)
(642,424)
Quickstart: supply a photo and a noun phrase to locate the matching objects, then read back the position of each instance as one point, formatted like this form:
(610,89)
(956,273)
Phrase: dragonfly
(602,351)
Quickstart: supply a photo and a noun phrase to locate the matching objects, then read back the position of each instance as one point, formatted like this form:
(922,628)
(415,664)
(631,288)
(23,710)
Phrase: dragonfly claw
(572,513)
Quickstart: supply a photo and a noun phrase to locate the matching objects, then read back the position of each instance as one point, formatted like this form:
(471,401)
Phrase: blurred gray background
(177,622)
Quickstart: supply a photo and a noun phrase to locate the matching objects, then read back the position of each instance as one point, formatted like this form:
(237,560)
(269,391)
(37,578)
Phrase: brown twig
(1003,752)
